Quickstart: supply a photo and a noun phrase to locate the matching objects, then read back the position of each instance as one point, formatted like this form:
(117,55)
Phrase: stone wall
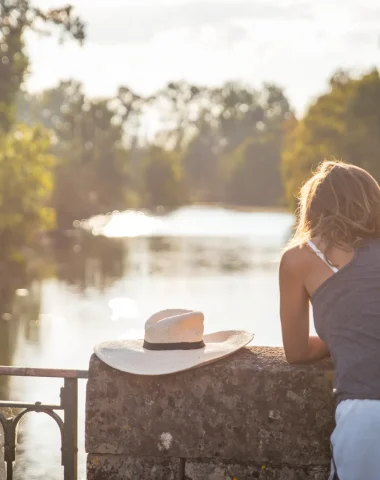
(249,416)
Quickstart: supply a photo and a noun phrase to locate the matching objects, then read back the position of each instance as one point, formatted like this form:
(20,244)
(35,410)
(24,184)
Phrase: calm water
(219,261)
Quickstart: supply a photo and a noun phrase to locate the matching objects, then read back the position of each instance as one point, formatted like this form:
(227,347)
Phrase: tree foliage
(91,176)
(252,168)
(17,16)
(210,127)
(162,179)
(253,172)
(209,145)
(25,186)
(344,124)
(26,164)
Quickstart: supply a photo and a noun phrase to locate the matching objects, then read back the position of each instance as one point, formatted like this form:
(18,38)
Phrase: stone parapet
(250,415)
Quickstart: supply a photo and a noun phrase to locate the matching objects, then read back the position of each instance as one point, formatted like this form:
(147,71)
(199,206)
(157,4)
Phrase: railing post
(9,445)
(70,430)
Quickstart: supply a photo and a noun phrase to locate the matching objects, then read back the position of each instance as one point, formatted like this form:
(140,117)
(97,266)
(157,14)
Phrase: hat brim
(130,356)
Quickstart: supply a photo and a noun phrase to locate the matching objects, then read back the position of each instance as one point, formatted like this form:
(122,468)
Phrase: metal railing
(68,426)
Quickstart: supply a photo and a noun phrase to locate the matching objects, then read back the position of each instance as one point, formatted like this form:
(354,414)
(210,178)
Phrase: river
(222,262)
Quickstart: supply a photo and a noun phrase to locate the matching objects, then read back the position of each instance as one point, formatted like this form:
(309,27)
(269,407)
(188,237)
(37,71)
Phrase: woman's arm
(294,312)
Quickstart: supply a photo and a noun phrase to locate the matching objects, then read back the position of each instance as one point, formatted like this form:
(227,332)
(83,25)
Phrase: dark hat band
(174,346)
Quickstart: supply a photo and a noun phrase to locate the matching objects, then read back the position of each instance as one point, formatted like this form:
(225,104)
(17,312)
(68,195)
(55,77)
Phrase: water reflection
(170,256)
(19,307)
(80,263)
(82,288)
(88,261)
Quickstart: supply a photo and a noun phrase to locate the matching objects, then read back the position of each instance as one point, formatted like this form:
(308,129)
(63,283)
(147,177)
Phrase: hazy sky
(144,44)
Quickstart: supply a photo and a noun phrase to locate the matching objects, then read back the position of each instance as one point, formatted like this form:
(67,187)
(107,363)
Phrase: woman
(333,262)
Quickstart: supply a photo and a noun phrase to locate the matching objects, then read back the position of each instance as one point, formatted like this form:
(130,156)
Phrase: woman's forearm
(316,350)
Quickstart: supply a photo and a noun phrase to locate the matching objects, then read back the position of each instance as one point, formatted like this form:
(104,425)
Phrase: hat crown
(175,326)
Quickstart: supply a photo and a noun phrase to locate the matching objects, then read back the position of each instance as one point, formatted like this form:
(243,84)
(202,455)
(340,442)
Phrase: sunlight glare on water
(123,224)
(194,221)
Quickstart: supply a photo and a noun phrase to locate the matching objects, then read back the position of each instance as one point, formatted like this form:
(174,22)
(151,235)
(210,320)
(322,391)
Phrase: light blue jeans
(355,441)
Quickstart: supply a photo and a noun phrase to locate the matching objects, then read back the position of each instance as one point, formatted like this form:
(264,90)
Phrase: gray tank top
(346,309)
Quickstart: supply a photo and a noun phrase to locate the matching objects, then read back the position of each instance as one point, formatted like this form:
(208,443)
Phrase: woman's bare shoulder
(295,259)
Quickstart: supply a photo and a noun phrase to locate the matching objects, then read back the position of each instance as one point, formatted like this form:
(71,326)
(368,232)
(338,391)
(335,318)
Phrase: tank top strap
(321,256)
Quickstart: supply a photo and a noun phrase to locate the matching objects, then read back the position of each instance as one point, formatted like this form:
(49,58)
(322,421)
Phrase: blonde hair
(340,204)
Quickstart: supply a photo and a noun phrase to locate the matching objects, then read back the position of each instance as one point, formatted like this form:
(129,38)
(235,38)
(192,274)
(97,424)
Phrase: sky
(297,44)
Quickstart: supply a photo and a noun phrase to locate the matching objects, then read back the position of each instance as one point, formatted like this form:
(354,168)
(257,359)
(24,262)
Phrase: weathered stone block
(214,470)
(115,467)
(250,407)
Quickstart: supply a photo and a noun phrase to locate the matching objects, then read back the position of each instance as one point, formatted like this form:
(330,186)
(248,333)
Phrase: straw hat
(173,342)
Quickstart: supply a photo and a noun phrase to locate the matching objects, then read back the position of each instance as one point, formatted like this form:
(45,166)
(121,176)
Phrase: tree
(93,166)
(92,175)
(253,176)
(252,170)
(17,16)
(201,164)
(178,105)
(162,180)
(229,119)
(344,124)
(25,188)
(238,114)
(362,127)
